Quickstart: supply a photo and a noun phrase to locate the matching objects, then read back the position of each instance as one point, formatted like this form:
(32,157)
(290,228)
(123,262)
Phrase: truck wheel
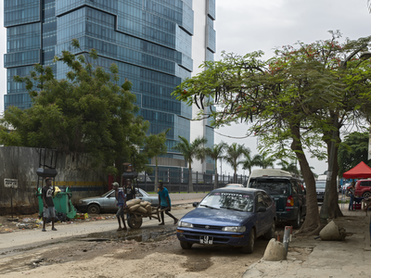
(134,222)
(366,194)
(93,209)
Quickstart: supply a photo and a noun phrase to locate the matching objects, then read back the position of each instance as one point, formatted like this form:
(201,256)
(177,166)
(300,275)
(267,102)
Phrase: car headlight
(235,229)
(185,224)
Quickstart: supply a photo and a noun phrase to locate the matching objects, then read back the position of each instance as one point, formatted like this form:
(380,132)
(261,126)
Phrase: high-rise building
(155,43)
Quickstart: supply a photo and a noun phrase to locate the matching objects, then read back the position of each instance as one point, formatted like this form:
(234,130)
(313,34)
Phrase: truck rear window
(271,186)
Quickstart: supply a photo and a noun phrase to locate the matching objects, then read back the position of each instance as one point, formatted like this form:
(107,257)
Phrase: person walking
(130,194)
(129,190)
(350,193)
(48,205)
(164,202)
(121,203)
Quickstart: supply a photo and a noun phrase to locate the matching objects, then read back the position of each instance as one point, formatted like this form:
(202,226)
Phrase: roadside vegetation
(299,99)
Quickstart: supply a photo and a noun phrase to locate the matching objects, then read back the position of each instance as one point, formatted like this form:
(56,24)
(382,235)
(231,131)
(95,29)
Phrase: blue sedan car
(229,216)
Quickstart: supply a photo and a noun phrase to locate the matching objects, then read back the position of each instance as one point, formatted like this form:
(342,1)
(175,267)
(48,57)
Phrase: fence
(177,180)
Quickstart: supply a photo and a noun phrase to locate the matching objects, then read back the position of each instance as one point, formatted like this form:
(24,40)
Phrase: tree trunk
(190,188)
(215,175)
(312,223)
(156,177)
(330,207)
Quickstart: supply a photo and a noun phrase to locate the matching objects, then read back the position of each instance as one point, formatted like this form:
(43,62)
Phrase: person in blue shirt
(350,193)
(121,203)
(164,202)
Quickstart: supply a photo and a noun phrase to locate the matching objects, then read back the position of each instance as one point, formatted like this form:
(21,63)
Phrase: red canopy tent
(361,171)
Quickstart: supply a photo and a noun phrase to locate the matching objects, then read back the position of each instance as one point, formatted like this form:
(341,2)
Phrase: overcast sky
(246,26)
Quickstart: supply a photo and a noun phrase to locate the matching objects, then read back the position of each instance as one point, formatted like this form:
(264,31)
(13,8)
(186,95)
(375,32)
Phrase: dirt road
(152,251)
(96,249)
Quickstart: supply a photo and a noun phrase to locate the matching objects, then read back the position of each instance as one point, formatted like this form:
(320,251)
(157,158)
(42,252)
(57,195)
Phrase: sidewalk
(186,198)
(311,257)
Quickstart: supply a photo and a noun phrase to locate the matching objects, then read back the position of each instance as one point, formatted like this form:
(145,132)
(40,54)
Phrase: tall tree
(155,146)
(215,153)
(87,112)
(289,166)
(288,100)
(233,153)
(264,161)
(189,152)
(250,161)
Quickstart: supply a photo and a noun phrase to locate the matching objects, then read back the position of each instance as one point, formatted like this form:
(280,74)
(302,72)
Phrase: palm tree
(290,167)
(233,153)
(216,153)
(264,161)
(250,162)
(191,151)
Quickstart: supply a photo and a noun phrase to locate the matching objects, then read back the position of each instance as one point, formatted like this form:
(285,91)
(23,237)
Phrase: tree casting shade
(361,171)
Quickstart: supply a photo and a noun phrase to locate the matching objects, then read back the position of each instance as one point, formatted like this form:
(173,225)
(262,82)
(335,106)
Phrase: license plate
(206,240)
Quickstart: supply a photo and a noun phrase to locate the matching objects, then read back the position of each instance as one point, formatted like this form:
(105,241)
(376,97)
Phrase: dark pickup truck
(289,196)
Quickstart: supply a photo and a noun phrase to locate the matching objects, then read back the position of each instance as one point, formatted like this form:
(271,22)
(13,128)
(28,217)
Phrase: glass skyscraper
(155,43)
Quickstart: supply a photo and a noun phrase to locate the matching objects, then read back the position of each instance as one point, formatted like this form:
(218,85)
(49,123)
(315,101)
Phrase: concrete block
(332,232)
(275,251)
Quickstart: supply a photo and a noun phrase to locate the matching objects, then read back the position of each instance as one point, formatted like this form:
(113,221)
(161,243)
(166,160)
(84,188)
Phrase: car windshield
(271,186)
(320,184)
(233,185)
(229,200)
(108,192)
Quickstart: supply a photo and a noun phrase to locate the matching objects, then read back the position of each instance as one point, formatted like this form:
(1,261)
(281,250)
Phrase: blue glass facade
(149,40)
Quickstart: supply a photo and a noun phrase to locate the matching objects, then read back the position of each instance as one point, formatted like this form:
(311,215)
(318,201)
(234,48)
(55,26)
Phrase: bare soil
(149,252)
(154,251)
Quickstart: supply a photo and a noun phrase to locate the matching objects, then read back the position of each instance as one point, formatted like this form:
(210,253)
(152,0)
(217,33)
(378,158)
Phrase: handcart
(135,217)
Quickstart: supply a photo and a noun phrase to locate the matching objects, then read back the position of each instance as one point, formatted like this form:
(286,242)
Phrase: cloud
(246,26)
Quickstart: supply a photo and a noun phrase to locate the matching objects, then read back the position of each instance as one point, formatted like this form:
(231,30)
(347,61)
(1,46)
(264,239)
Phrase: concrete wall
(21,163)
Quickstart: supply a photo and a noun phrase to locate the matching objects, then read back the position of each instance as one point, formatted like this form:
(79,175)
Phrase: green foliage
(301,87)
(216,152)
(256,160)
(155,144)
(263,161)
(290,166)
(233,154)
(353,150)
(191,150)
(299,99)
(87,112)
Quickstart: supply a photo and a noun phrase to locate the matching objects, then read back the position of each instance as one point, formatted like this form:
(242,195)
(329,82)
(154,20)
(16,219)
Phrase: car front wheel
(250,245)
(93,209)
(185,245)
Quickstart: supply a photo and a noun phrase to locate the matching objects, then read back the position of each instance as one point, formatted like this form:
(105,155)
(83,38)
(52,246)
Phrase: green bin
(62,203)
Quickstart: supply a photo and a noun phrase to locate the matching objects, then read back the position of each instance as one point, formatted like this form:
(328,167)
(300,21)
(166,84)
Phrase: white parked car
(107,201)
